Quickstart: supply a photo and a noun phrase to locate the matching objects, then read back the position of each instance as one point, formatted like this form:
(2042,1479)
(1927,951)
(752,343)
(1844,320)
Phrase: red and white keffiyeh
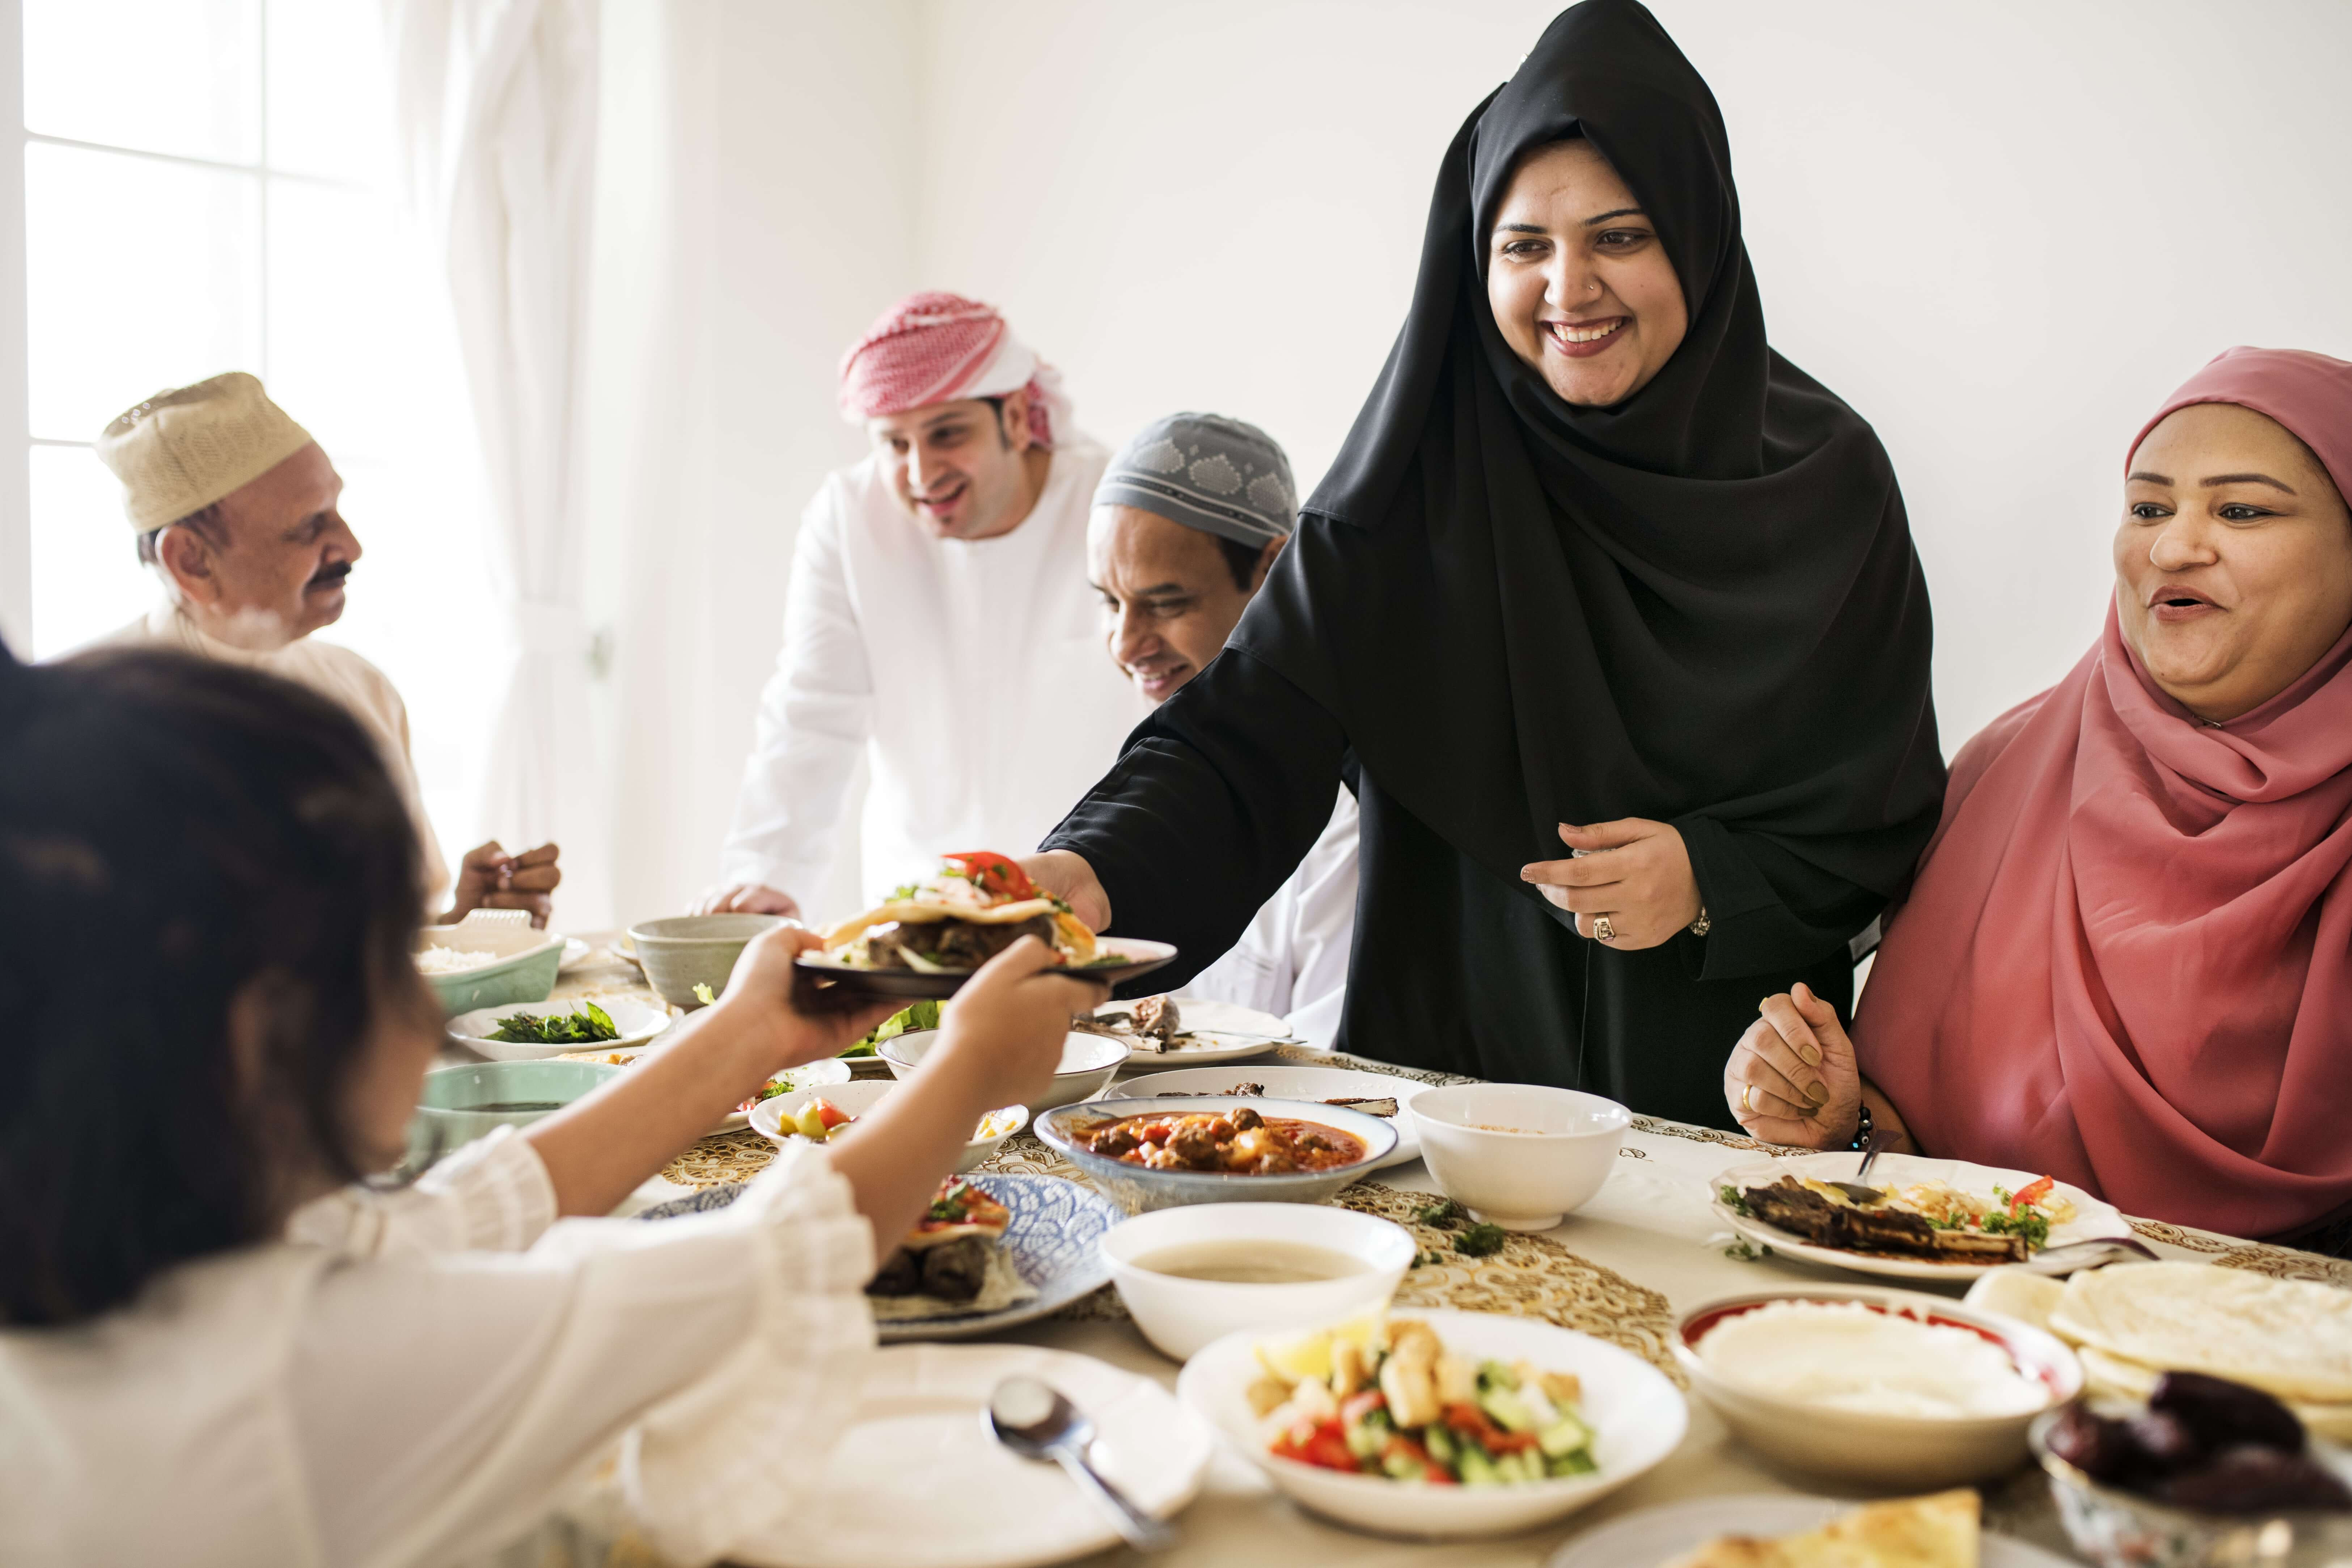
(935,347)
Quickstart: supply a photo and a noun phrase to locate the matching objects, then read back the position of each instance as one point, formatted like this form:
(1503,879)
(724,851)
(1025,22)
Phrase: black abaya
(1502,612)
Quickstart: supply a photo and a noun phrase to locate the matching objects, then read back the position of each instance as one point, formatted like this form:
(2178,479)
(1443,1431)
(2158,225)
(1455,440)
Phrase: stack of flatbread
(1939,1532)
(2132,1323)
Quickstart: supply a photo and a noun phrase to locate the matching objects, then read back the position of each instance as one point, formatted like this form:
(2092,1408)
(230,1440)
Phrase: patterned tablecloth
(1623,1268)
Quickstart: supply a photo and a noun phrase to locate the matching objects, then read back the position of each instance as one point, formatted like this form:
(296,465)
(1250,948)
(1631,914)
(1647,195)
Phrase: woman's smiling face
(1578,281)
(2233,560)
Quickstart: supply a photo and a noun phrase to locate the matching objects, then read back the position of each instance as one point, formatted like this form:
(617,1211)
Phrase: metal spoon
(1856,1189)
(1035,1422)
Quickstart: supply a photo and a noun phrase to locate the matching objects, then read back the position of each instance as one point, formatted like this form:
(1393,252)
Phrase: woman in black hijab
(1592,554)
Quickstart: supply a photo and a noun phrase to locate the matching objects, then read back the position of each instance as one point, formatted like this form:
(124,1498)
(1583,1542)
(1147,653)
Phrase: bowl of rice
(486,963)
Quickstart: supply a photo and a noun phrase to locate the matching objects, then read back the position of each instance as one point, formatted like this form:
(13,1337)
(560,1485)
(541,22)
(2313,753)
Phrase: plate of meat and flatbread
(1788,1206)
(926,938)
(1180,1031)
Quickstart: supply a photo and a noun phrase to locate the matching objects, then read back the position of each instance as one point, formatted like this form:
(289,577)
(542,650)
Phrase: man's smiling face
(267,567)
(1170,598)
(960,469)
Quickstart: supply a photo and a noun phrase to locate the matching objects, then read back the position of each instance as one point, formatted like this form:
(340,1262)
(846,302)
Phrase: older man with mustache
(236,511)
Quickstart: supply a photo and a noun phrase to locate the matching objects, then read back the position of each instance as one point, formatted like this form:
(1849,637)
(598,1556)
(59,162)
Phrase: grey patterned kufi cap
(1209,472)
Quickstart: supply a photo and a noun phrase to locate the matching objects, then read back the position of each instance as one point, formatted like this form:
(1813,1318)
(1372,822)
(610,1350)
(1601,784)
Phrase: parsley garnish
(589,1024)
(1733,1201)
(1480,1240)
(1445,1214)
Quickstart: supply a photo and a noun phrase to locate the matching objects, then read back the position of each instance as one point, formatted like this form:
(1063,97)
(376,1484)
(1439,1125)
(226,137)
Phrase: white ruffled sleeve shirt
(386,1387)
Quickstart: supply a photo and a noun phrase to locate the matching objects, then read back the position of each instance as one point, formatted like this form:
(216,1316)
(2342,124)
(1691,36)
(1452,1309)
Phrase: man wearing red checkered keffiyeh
(939,623)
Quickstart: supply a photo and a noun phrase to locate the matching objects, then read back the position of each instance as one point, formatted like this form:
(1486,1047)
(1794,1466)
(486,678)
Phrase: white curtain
(496,101)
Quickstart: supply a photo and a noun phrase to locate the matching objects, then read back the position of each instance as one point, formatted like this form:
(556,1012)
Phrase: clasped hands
(1635,871)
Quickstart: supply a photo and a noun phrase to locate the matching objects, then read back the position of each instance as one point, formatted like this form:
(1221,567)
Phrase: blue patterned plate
(1053,1236)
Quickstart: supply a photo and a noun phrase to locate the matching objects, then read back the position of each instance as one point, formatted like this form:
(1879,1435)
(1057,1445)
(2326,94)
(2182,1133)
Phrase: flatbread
(1003,1287)
(2292,1338)
(2015,1294)
(1937,1532)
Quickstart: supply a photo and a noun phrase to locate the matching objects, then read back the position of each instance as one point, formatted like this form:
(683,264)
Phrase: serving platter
(1654,1536)
(1136,958)
(1214,1032)
(2092,1219)
(917,1481)
(1052,1240)
(1284,1082)
(639,1023)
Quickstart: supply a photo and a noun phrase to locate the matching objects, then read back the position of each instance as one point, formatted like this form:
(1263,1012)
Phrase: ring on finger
(1601,930)
(1744,1090)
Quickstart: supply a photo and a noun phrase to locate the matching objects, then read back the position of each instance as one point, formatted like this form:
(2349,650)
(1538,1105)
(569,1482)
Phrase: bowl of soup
(1191,1276)
(1146,1154)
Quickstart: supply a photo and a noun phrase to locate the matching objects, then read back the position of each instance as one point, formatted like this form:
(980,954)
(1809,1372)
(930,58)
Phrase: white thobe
(362,1395)
(1292,961)
(972,675)
(333,672)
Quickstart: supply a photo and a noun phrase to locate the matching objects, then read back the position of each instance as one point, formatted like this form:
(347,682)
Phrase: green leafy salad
(905,1021)
(584,1025)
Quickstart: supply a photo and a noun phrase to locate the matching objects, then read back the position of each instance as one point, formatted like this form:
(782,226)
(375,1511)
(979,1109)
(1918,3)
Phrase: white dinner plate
(1284,1082)
(1214,1032)
(639,1023)
(917,1481)
(2092,1219)
(1658,1535)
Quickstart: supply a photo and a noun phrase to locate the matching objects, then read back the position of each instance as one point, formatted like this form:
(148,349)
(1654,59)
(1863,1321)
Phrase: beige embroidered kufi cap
(184,448)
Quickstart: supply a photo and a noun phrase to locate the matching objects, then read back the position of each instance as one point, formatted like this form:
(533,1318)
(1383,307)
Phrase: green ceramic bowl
(687,951)
(460,1104)
(525,971)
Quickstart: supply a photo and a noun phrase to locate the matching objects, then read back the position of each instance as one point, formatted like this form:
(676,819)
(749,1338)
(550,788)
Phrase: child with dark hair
(214,1348)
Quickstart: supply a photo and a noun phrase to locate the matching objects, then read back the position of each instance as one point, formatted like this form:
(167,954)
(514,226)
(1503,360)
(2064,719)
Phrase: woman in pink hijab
(2126,957)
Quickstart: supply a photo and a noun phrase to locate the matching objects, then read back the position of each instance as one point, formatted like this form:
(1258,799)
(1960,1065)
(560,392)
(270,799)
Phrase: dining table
(1625,1267)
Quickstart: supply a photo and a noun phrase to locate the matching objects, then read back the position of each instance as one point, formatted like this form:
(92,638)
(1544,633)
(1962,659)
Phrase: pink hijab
(2127,958)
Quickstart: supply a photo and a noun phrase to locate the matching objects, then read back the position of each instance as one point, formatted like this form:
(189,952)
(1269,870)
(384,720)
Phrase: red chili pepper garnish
(993,874)
(2030,1194)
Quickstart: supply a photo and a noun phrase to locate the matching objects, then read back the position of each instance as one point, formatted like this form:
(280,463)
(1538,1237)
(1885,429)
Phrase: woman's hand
(759,999)
(1005,1027)
(1635,871)
(1068,876)
(1792,1078)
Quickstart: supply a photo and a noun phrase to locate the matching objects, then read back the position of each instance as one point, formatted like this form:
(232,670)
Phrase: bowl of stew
(1146,1154)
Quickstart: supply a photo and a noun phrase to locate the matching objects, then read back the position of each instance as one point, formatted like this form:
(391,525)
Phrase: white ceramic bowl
(1915,1452)
(1520,1155)
(857,1099)
(1180,1316)
(637,1021)
(1637,1415)
(1088,1064)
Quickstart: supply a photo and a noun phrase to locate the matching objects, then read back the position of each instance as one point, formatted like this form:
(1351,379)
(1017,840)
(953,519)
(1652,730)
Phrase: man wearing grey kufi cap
(1187,521)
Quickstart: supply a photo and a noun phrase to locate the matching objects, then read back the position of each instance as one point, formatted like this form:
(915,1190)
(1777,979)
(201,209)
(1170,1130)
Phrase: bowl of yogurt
(1881,1386)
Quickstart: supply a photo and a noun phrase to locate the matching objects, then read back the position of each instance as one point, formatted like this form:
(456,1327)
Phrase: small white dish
(1089,1063)
(1180,1315)
(639,1023)
(1638,1416)
(917,1481)
(2092,1221)
(1663,1533)
(1917,1453)
(855,1099)
(575,954)
(819,1074)
(1519,1155)
(1283,1082)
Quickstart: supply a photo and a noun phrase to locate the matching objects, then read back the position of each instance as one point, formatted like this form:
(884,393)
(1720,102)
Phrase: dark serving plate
(841,979)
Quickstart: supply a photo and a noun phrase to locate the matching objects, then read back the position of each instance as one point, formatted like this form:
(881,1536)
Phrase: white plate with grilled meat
(1336,1086)
(2078,1216)
(1206,1032)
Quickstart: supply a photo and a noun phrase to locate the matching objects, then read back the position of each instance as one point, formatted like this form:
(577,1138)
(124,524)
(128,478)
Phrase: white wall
(2002,231)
